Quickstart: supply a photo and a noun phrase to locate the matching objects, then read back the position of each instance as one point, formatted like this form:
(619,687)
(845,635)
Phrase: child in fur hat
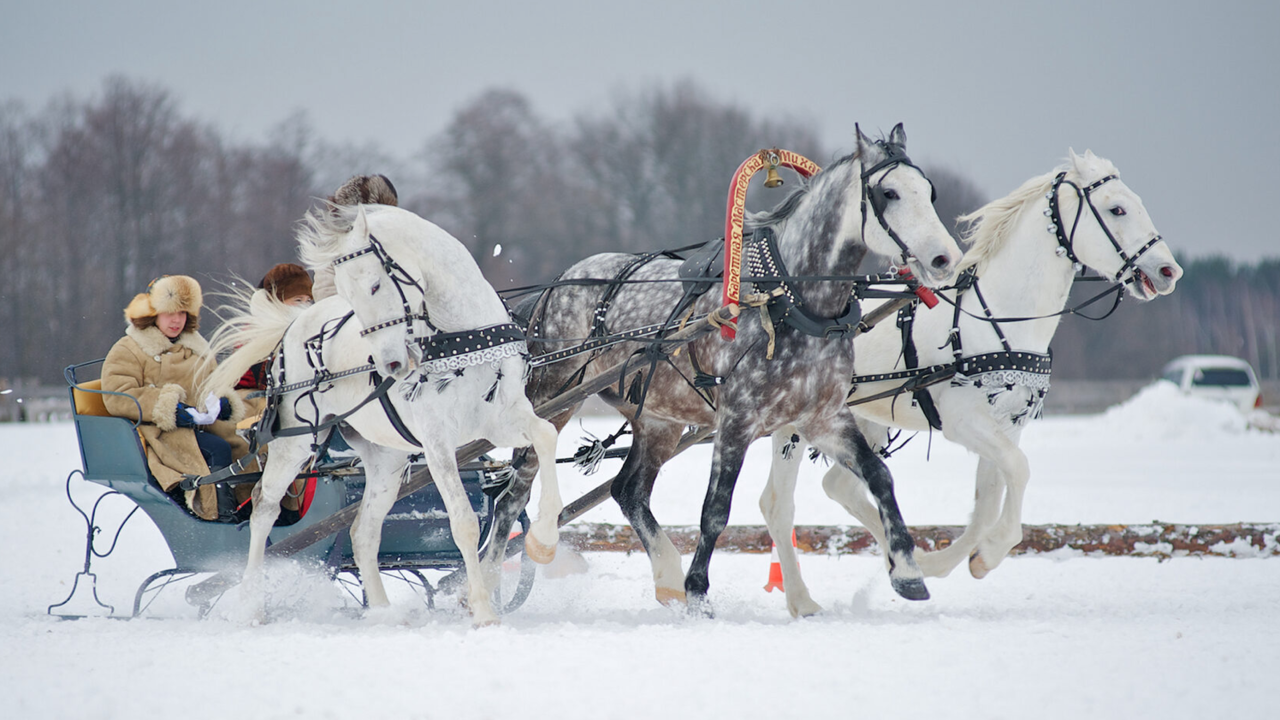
(359,190)
(157,364)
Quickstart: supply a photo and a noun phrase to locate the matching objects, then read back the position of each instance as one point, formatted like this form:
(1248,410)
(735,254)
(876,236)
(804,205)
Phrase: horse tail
(253,325)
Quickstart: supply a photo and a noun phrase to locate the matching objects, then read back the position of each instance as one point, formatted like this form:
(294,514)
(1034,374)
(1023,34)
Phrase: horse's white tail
(255,325)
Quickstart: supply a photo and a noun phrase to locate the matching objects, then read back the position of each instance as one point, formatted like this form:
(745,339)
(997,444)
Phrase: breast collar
(763,261)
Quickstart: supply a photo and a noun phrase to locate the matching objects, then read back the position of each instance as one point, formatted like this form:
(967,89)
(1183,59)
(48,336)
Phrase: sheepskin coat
(159,374)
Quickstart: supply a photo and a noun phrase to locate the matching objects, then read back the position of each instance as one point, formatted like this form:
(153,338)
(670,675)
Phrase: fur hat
(366,190)
(287,281)
(167,293)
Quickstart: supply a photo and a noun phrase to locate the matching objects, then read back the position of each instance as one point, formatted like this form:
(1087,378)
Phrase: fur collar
(154,342)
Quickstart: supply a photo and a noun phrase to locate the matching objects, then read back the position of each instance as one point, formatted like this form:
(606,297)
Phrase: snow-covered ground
(1052,636)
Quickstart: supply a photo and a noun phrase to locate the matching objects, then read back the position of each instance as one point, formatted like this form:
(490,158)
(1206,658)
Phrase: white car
(1216,376)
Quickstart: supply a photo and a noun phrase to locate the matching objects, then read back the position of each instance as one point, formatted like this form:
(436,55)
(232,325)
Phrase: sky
(1180,94)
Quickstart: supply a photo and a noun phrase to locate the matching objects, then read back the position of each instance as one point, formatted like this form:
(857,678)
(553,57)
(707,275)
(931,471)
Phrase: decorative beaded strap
(458,350)
(1000,372)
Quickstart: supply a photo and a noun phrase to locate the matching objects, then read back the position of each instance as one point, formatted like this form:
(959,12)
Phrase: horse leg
(283,463)
(778,505)
(527,428)
(843,442)
(732,439)
(508,505)
(1002,464)
(544,533)
(850,492)
(653,443)
(465,528)
(384,472)
(940,563)
(1007,530)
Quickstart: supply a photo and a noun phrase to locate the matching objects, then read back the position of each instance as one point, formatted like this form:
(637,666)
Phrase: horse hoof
(487,622)
(911,588)
(670,597)
(537,552)
(805,609)
(699,607)
(977,566)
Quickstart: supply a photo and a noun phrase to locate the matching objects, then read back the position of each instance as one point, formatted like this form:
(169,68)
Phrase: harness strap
(392,415)
(763,261)
(921,396)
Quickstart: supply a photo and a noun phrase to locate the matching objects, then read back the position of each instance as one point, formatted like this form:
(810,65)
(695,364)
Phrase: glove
(183,418)
(210,413)
(225,412)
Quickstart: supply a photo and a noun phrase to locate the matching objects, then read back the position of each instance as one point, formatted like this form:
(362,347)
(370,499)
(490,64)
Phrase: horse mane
(787,207)
(253,321)
(320,233)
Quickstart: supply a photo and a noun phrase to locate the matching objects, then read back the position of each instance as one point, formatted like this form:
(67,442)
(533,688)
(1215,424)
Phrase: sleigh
(416,536)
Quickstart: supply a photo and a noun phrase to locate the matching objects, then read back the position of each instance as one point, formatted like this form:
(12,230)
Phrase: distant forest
(99,195)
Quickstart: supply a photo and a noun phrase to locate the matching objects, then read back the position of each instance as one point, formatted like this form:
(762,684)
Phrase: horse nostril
(941,262)
(393,366)
(1166,271)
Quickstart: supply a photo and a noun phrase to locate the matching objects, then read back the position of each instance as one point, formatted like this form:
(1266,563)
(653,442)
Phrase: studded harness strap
(769,276)
(1066,241)
(998,372)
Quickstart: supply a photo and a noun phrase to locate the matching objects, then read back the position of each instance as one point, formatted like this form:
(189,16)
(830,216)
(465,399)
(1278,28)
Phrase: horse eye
(1117,211)
(891,194)
(376,287)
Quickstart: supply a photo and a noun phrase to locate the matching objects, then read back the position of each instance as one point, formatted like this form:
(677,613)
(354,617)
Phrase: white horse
(1024,250)
(438,333)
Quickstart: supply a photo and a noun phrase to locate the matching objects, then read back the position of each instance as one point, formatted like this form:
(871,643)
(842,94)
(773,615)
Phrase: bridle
(401,279)
(1066,242)
(895,155)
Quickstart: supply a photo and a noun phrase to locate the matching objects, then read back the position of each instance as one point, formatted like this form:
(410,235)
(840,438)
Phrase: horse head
(387,298)
(897,213)
(1106,227)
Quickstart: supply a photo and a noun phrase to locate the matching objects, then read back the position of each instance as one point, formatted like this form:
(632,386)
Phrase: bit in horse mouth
(1148,287)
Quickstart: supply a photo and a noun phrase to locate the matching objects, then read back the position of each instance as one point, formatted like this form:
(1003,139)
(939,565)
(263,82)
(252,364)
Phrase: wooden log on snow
(1159,540)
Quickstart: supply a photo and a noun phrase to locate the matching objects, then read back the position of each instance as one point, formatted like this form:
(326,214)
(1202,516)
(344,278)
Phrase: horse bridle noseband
(895,155)
(400,278)
(1066,243)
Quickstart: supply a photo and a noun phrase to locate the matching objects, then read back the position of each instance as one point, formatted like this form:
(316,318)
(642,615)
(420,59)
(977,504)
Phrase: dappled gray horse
(787,365)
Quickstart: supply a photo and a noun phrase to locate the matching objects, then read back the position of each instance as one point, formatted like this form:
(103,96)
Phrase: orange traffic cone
(775,568)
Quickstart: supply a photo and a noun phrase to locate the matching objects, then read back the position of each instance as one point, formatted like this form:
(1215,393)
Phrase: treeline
(100,195)
(1218,307)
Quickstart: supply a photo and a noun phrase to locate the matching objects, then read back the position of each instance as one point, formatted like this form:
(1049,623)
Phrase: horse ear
(1075,159)
(360,225)
(861,139)
(898,136)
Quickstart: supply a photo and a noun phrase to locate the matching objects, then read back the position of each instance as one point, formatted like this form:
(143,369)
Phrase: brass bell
(772,180)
